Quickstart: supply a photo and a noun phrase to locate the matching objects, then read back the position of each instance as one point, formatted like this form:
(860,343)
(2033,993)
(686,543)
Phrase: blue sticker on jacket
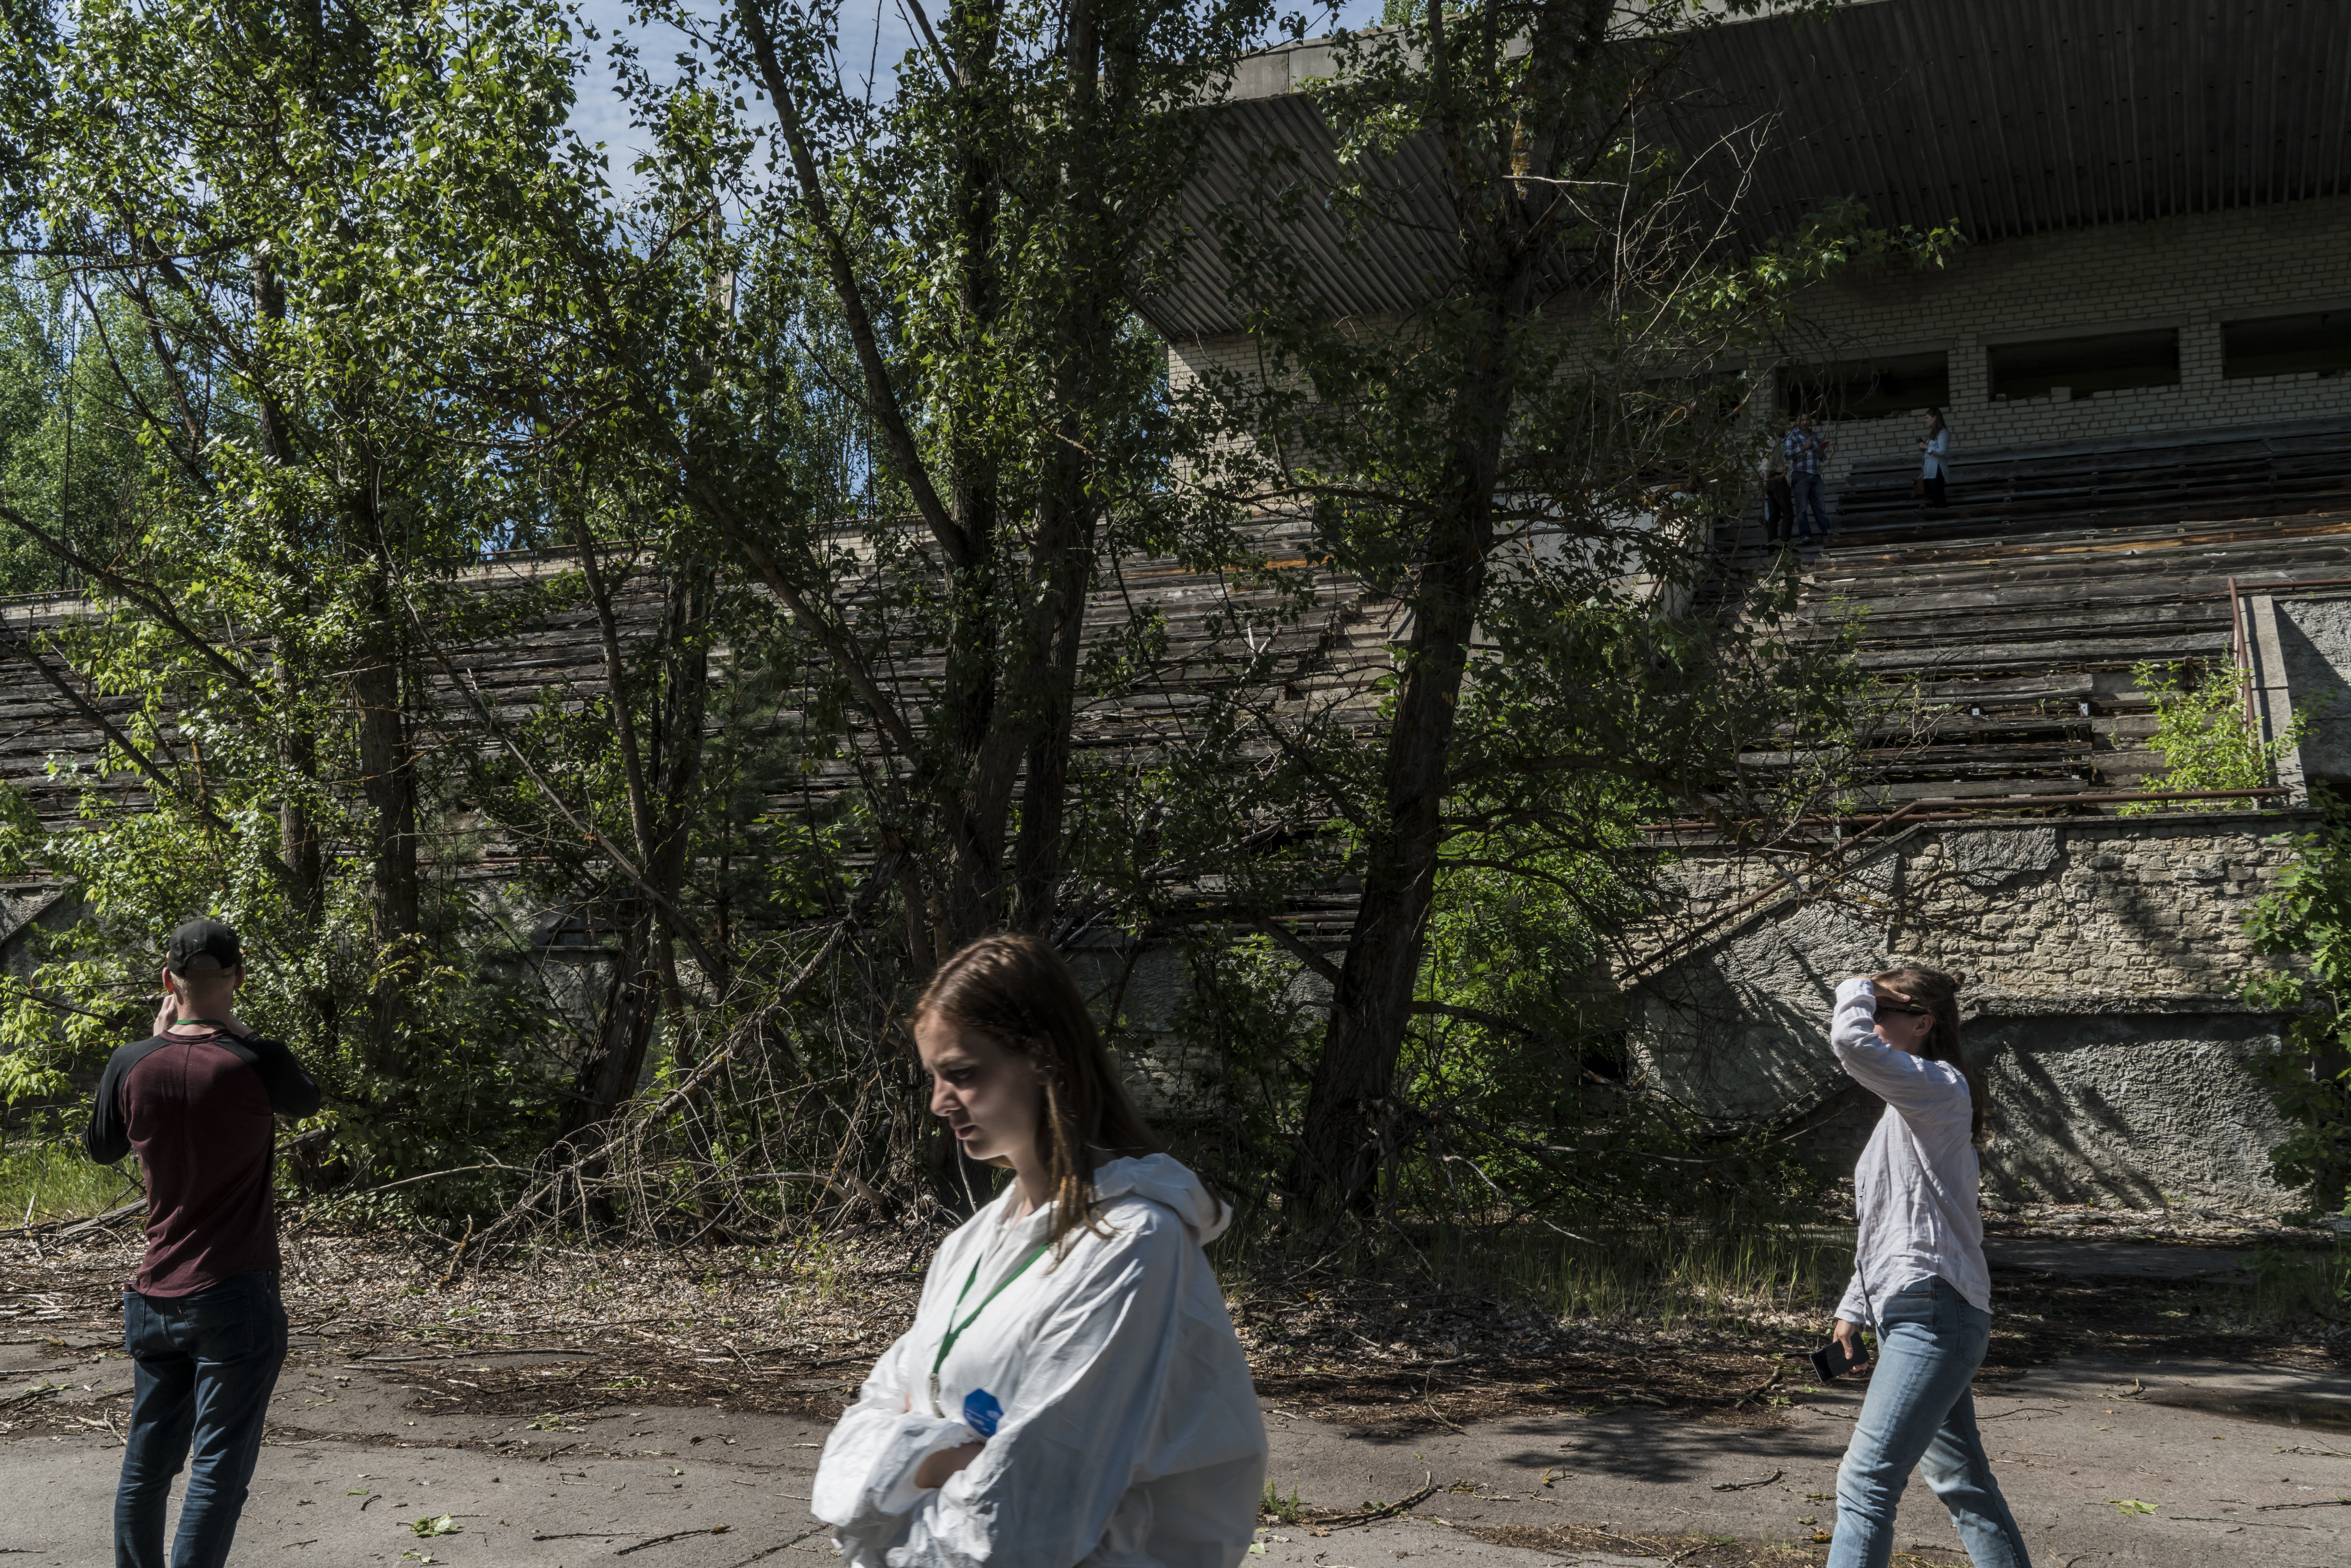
(981,1412)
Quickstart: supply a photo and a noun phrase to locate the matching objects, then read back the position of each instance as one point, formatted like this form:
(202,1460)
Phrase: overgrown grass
(1677,1276)
(1703,1278)
(1694,1274)
(47,1181)
(2292,1288)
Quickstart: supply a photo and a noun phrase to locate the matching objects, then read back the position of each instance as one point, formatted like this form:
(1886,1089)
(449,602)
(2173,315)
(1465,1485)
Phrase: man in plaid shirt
(1804,451)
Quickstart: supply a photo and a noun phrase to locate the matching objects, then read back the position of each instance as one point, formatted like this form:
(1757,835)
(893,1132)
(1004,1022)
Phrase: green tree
(253,200)
(69,443)
(2205,736)
(973,243)
(1526,465)
(2306,920)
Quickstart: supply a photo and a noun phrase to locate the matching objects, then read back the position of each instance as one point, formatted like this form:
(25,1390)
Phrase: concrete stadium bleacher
(2016,615)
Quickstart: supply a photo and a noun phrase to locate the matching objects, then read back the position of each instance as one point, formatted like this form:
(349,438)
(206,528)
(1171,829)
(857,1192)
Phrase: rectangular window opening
(2108,361)
(1868,389)
(2293,345)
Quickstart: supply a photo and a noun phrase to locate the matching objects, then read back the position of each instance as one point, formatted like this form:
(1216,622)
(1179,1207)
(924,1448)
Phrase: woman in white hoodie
(1071,1391)
(1918,1276)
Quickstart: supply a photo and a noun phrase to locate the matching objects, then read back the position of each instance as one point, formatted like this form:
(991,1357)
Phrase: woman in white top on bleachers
(1934,445)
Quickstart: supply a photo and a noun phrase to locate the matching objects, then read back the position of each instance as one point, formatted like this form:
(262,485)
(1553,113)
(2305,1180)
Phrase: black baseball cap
(202,939)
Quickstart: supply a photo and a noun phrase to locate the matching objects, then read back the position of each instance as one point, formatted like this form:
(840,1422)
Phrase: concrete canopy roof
(2009,116)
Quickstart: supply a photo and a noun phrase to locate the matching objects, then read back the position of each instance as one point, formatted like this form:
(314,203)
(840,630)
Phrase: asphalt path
(2211,1448)
(2239,1464)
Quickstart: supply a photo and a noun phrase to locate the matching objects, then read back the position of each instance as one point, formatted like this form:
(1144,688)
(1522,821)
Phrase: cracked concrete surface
(348,1465)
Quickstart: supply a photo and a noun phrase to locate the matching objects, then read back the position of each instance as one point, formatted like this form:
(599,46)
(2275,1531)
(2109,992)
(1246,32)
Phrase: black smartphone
(1830,1360)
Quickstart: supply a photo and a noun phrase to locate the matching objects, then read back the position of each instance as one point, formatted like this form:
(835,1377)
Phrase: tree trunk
(625,1025)
(298,749)
(1067,512)
(388,780)
(1349,1107)
(676,768)
(970,879)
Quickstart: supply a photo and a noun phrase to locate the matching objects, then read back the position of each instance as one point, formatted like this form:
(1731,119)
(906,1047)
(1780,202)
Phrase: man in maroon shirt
(198,1100)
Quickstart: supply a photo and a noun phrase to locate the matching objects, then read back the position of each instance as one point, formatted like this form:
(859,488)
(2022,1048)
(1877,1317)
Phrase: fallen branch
(770,1552)
(1748,1486)
(876,880)
(112,1217)
(676,1535)
(458,1256)
(428,1176)
(1389,1511)
(73,1228)
(1757,1392)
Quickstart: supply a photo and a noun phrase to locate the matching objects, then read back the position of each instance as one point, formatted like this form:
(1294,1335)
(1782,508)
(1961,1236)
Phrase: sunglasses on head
(1914,1012)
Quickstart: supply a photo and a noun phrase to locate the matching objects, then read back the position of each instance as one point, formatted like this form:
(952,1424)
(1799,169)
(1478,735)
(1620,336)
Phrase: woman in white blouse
(1071,1391)
(1919,1276)
(1932,447)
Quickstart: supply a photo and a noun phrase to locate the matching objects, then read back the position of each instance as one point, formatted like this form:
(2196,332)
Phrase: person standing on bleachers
(1804,451)
(1931,468)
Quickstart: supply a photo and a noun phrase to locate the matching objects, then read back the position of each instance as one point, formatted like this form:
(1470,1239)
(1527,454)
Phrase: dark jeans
(1812,505)
(1934,496)
(207,1364)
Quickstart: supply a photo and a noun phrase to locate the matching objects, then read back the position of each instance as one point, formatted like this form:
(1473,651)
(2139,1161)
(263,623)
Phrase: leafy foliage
(2306,919)
(2204,737)
(1526,464)
(341,373)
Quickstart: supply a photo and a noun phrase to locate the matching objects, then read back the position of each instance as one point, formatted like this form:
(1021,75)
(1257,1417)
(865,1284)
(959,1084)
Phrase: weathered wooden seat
(2004,631)
(2168,475)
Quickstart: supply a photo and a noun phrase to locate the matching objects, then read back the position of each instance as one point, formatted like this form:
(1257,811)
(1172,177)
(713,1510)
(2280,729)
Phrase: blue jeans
(1812,503)
(1919,1411)
(206,1366)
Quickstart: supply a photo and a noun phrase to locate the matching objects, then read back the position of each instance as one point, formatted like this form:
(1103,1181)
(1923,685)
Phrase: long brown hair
(1017,991)
(1939,993)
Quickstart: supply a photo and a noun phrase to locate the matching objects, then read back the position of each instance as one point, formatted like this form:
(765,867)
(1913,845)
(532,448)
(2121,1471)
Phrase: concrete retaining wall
(2313,641)
(2104,957)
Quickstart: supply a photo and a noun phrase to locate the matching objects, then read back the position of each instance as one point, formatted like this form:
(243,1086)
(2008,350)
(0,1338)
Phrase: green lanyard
(954,1329)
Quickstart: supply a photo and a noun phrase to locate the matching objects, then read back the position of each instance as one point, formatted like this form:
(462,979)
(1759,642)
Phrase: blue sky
(882,28)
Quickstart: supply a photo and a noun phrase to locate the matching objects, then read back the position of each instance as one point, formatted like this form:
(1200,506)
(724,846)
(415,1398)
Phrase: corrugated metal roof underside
(2009,116)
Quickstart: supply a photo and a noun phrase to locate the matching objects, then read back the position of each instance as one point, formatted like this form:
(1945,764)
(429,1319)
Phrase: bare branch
(904,452)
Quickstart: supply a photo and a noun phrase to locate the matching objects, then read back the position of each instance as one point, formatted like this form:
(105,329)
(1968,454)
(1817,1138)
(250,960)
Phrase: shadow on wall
(2118,1098)
(1742,1032)
(1740,1028)
(2315,644)
(2139,1109)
